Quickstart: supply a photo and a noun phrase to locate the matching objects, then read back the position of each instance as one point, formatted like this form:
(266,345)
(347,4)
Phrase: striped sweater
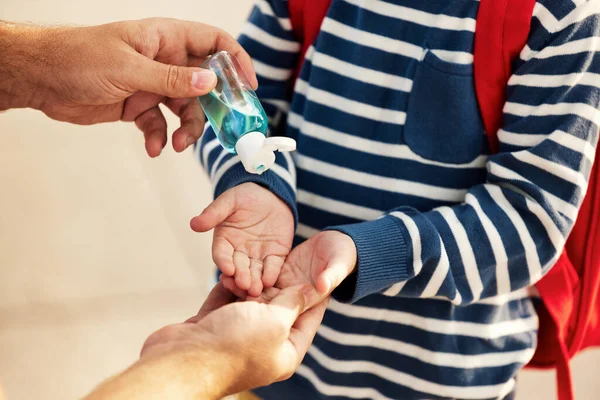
(392,152)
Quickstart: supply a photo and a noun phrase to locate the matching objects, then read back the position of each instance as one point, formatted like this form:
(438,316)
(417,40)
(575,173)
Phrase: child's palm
(322,262)
(253,235)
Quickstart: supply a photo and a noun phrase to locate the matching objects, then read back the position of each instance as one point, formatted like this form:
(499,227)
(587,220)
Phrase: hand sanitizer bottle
(237,117)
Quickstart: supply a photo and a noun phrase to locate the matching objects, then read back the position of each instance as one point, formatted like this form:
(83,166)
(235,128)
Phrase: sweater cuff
(383,258)
(236,175)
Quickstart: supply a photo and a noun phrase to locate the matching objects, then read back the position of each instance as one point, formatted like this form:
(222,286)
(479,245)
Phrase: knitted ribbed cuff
(383,258)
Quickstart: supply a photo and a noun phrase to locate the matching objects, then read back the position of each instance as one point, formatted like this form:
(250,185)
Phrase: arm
(18,79)
(509,231)
(197,374)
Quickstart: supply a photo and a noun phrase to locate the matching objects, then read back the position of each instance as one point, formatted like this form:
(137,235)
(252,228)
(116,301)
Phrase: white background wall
(95,248)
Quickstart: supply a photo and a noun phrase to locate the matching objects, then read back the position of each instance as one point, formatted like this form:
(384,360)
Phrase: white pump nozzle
(257,152)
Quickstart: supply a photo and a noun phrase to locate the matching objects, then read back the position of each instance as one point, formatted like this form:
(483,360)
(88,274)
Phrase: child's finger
(271,268)
(256,271)
(242,270)
(229,284)
(265,297)
(222,253)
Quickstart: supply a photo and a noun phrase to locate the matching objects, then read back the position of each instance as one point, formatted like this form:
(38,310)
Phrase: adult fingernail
(204,79)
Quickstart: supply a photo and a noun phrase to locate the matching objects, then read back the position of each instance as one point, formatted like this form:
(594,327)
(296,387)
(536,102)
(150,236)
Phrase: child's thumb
(172,80)
(337,270)
(217,212)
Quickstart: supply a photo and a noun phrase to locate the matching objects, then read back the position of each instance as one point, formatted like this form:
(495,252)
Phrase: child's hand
(322,262)
(253,235)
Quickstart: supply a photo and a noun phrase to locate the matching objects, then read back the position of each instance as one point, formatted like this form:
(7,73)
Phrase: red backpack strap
(306,22)
(502,31)
(556,289)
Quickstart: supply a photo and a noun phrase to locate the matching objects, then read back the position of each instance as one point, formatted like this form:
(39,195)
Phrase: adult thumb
(289,303)
(173,80)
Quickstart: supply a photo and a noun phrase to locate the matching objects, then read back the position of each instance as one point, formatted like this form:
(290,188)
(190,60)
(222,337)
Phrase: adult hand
(322,262)
(240,345)
(117,71)
(226,348)
(253,235)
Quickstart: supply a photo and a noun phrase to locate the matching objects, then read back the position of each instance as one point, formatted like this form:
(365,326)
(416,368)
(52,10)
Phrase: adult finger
(154,126)
(139,103)
(288,304)
(205,39)
(191,116)
(170,80)
(305,328)
(217,298)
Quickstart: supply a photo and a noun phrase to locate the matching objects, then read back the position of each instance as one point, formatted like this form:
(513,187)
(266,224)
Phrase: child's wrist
(274,198)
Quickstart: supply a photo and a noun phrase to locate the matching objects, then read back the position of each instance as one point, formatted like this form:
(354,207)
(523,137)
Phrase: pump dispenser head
(257,152)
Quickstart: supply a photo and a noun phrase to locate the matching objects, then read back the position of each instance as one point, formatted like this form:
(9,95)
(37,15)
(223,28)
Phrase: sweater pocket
(443,122)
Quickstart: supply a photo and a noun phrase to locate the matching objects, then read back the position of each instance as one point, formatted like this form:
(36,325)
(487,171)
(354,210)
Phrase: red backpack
(570,315)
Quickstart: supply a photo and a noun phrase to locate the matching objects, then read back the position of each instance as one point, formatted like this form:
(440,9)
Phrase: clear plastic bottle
(237,117)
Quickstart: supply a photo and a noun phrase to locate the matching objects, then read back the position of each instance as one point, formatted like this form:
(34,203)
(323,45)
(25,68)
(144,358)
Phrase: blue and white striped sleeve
(270,41)
(509,231)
